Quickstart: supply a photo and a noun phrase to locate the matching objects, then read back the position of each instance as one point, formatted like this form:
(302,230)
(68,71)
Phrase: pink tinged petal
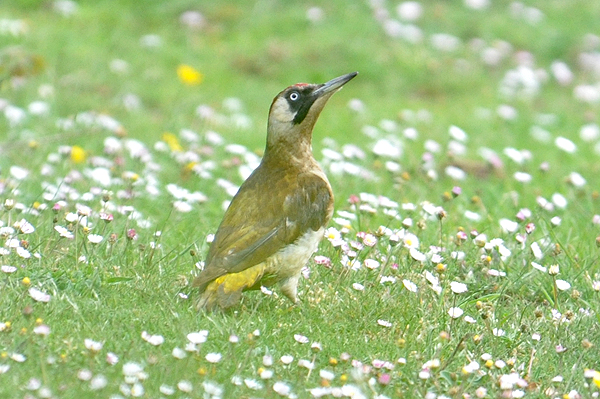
(8,269)
(384,323)
(112,358)
(301,339)
(38,295)
(371,264)
(42,329)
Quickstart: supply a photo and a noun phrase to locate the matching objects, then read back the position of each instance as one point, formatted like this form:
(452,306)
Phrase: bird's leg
(289,287)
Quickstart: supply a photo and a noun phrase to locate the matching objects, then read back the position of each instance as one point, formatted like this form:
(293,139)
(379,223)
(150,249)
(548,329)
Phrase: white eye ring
(294,96)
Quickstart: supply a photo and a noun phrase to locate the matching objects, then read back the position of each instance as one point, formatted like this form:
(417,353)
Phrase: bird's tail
(226,290)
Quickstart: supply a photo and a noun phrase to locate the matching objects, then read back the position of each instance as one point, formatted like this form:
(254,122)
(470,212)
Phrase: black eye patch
(300,100)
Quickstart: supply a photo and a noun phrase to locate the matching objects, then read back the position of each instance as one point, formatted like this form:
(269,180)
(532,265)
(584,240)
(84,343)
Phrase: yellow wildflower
(596,378)
(172,141)
(188,75)
(78,154)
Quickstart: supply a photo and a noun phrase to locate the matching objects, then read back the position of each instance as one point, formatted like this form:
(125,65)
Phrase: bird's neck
(296,155)
(292,148)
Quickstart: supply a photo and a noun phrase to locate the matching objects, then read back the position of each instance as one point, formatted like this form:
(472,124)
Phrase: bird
(278,216)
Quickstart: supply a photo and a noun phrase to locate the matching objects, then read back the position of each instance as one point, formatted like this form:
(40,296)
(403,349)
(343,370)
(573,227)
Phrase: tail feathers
(226,291)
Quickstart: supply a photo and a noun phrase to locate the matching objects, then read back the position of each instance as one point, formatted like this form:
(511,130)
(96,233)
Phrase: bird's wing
(259,222)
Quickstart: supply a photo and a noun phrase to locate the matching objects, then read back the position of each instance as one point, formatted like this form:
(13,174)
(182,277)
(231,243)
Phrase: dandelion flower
(188,75)
(596,378)
(78,154)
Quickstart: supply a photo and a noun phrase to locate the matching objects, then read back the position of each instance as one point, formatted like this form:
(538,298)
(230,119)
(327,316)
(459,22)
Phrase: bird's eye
(294,96)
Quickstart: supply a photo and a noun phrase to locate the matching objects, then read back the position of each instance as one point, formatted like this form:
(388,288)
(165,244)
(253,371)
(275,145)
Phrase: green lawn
(462,260)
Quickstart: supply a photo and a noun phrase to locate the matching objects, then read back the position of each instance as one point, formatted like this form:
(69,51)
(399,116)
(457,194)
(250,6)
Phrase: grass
(379,332)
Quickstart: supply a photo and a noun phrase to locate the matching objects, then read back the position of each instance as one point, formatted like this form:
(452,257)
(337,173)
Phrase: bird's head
(295,110)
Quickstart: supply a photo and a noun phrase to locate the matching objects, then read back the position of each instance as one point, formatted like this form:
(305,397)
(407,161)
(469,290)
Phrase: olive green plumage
(275,221)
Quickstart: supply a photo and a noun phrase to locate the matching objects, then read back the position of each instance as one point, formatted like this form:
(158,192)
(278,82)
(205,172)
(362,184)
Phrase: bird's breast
(289,260)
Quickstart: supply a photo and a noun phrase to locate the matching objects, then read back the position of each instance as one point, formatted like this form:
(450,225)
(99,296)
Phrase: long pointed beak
(334,84)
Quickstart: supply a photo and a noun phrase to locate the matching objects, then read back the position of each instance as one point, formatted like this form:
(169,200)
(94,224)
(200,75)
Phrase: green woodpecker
(275,221)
